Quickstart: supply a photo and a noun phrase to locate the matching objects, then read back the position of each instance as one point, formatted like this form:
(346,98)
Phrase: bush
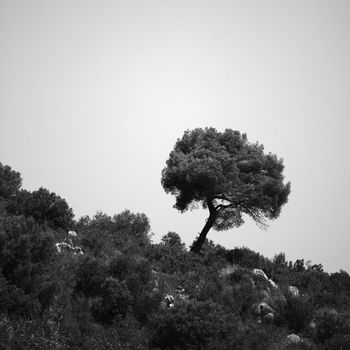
(328,324)
(26,252)
(295,313)
(198,325)
(114,304)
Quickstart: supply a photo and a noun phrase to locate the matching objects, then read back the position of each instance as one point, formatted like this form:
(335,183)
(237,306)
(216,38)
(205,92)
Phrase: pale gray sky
(94,94)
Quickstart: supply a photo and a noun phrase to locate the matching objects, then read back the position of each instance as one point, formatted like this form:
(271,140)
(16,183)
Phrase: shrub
(198,325)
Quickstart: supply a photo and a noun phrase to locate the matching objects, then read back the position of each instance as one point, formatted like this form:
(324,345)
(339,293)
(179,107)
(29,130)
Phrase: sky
(94,95)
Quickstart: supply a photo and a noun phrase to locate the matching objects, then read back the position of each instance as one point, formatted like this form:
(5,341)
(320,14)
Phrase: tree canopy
(225,173)
(42,205)
(10,181)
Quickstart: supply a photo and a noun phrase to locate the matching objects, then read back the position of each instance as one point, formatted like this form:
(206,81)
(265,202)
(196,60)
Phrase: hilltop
(101,283)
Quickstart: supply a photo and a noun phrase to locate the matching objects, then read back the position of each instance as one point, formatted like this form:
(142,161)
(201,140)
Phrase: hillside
(101,283)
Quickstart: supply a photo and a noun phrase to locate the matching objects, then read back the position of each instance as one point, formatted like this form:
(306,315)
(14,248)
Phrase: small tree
(226,174)
(10,181)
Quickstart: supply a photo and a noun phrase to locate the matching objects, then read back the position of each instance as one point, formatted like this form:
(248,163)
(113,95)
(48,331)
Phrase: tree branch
(257,217)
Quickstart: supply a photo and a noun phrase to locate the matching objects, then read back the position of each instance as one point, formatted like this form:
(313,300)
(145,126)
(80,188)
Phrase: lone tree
(225,173)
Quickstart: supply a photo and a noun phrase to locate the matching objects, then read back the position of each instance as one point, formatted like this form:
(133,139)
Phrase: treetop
(228,174)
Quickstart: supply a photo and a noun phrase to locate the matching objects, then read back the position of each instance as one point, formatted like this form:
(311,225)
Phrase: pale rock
(293,338)
(180,294)
(262,309)
(72,234)
(269,317)
(312,325)
(78,251)
(259,272)
(227,270)
(179,290)
(63,245)
(294,291)
(169,300)
(68,247)
(58,247)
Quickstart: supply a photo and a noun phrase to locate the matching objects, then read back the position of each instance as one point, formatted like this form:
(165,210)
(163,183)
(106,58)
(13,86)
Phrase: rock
(227,270)
(179,290)
(68,247)
(180,294)
(259,272)
(72,234)
(312,324)
(273,284)
(78,251)
(293,290)
(269,317)
(262,309)
(58,247)
(169,300)
(293,338)
(63,246)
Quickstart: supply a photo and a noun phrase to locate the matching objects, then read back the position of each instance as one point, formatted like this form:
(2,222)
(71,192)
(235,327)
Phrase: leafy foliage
(10,181)
(199,325)
(25,252)
(44,206)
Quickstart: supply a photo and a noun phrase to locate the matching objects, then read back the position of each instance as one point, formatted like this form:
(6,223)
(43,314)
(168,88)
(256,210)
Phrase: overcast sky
(94,94)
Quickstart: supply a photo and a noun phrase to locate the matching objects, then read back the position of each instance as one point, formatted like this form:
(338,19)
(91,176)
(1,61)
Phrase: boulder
(169,300)
(269,317)
(64,246)
(72,234)
(262,309)
(293,338)
(179,290)
(293,290)
(259,272)
(78,251)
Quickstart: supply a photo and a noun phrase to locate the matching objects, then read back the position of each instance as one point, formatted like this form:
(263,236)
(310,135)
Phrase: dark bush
(197,325)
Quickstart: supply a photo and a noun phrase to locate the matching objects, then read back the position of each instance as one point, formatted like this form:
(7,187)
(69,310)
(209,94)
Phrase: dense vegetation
(101,283)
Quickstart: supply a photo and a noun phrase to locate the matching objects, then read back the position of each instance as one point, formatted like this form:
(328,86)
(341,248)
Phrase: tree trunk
(197,245)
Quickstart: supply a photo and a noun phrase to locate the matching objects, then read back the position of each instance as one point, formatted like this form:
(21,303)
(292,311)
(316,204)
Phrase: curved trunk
(197,245)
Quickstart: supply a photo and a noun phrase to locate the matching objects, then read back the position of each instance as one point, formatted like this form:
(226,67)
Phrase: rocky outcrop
(171,300)
(259,272)
(294,339)
(68,244)
(262,309)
